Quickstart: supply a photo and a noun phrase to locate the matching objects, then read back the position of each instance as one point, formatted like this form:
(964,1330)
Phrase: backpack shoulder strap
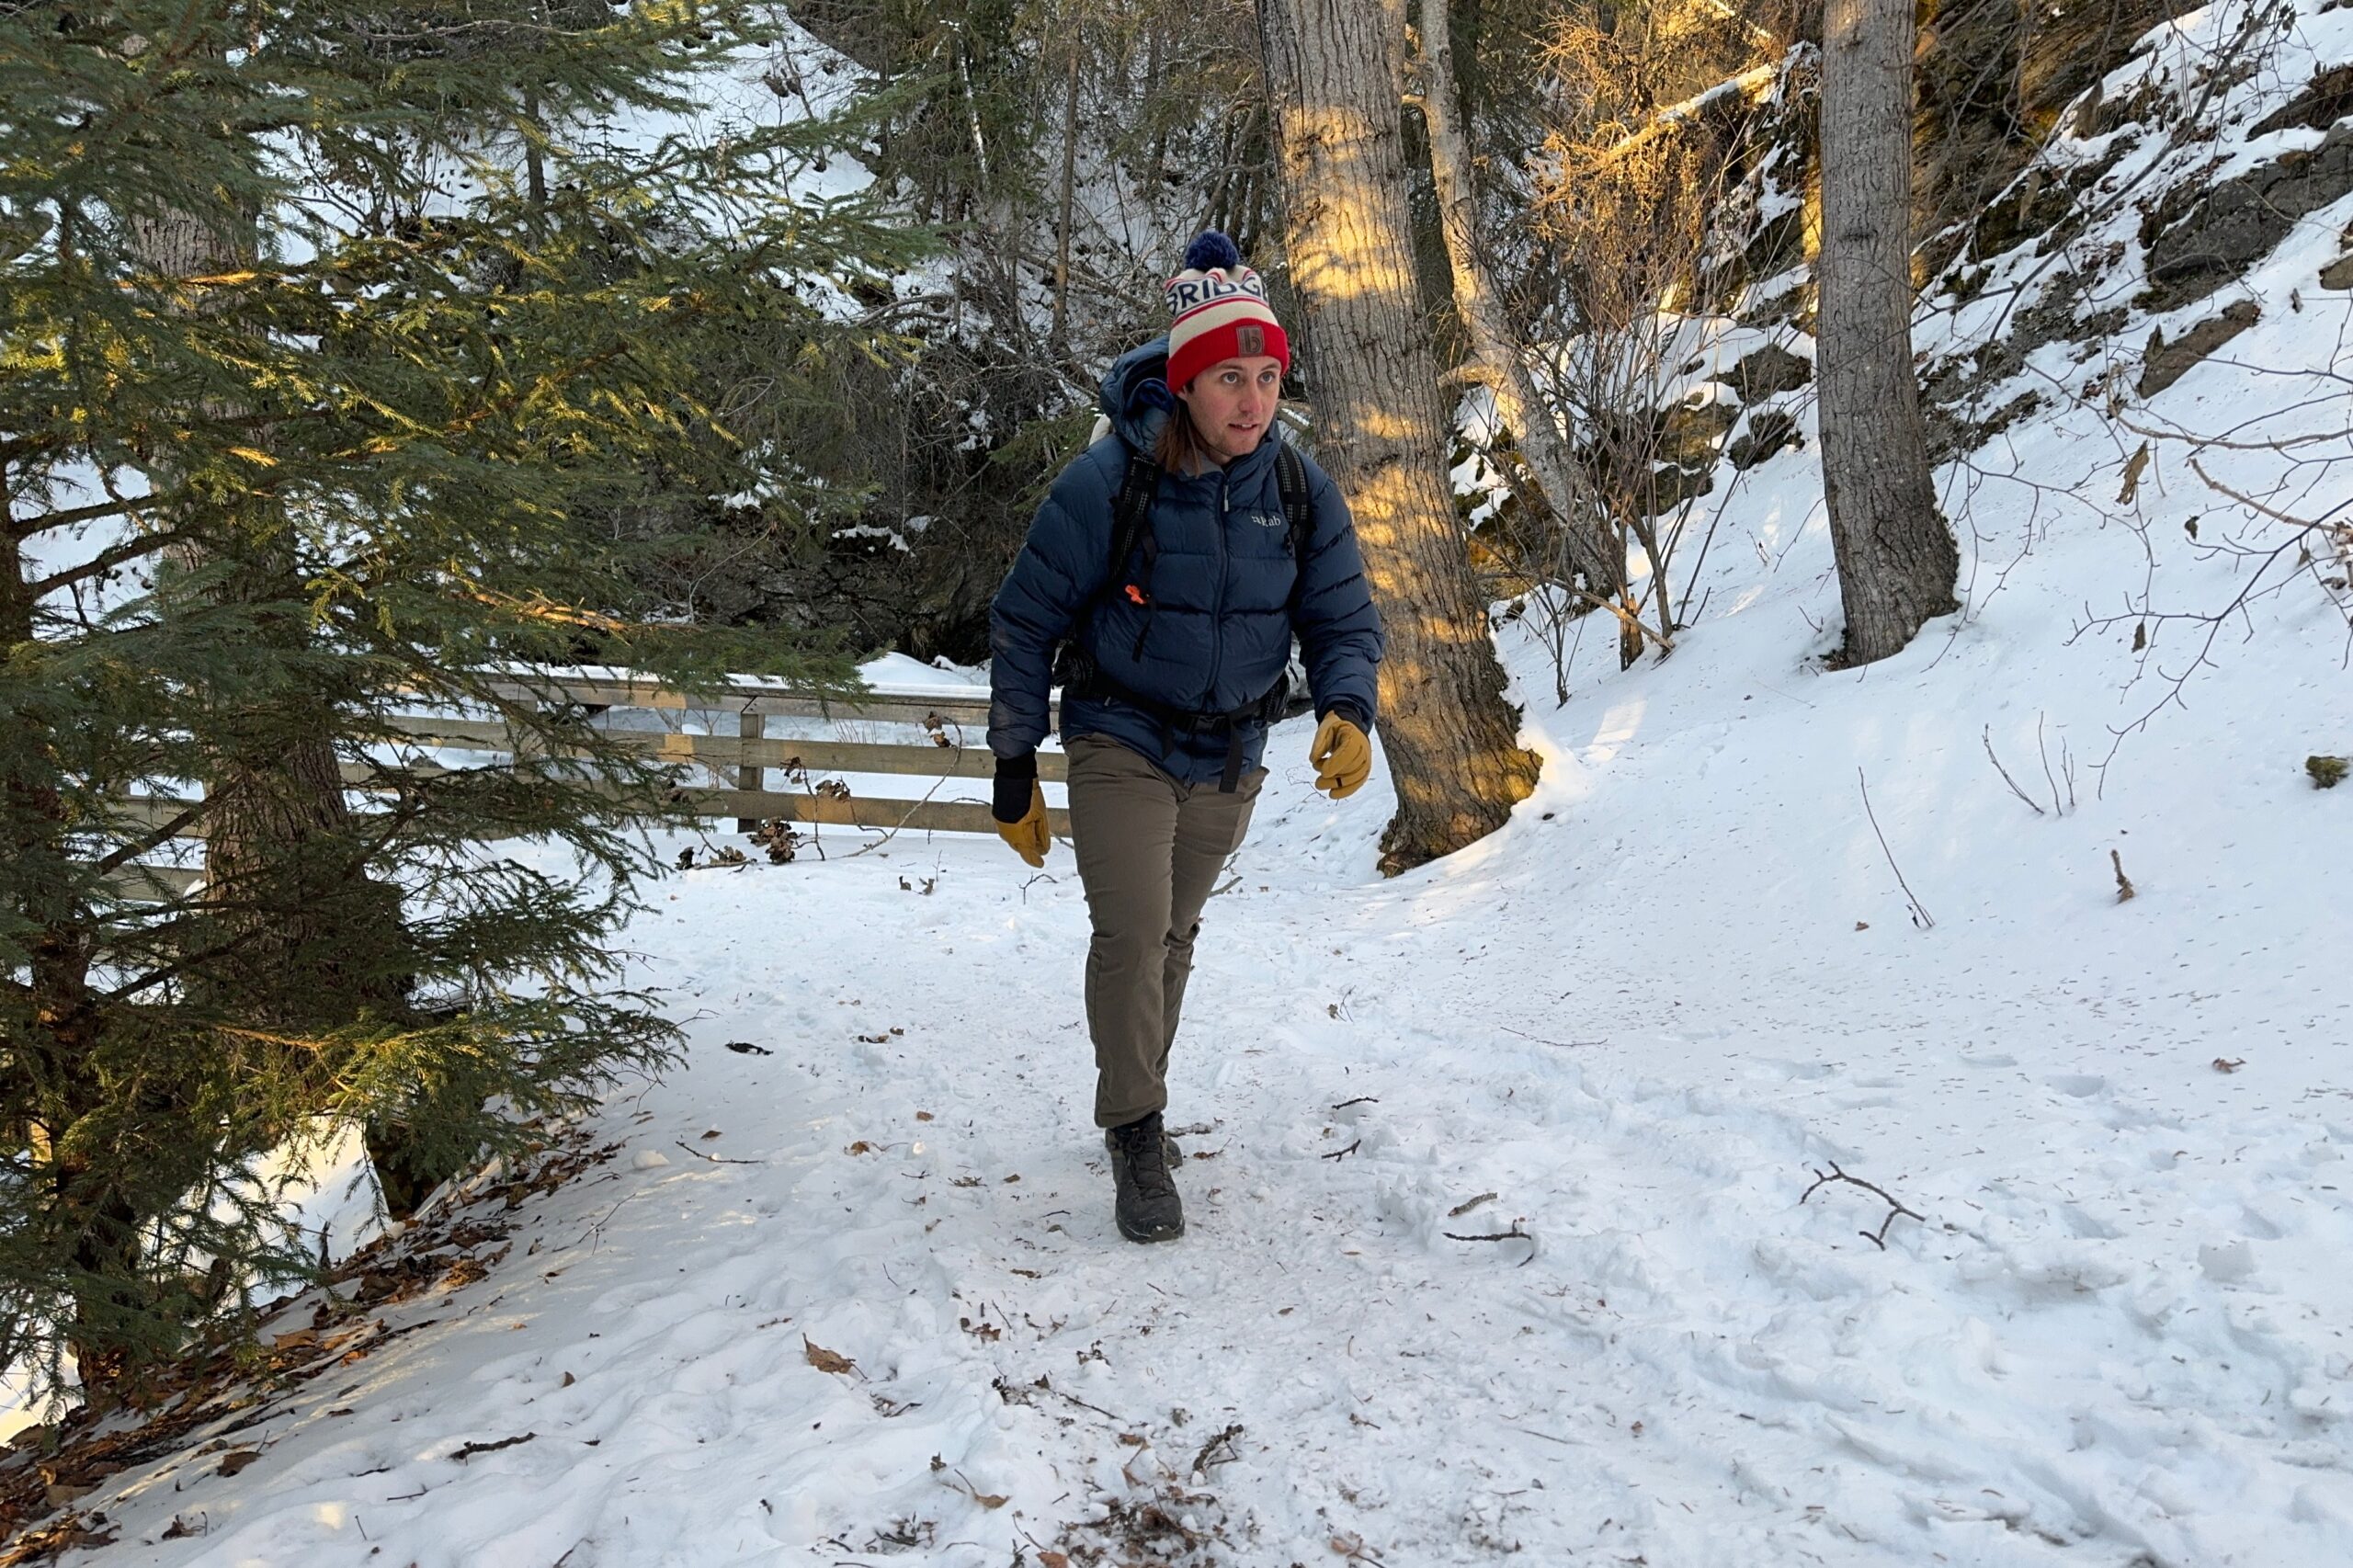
(1131,518)
(1290,474)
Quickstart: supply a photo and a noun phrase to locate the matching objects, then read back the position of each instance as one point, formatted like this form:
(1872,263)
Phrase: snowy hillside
(1508,1231)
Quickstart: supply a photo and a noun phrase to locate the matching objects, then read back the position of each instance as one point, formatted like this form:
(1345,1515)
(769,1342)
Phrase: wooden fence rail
(950,748)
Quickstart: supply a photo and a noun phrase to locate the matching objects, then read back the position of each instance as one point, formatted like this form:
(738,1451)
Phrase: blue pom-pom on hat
(1211,249)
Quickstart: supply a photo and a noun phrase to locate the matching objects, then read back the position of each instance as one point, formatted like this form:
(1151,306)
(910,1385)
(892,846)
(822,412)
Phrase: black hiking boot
(1147,1207)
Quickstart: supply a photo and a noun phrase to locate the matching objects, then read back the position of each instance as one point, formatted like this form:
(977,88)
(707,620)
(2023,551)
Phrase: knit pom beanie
(1218,310)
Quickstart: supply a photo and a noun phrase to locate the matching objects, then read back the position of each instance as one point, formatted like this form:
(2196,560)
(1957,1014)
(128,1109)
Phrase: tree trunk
(1594,552)
(1334,72)
(1897,562)
(277,843)
(1058,335)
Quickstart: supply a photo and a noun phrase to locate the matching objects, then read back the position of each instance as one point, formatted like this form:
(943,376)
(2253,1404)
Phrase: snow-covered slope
(853,1294)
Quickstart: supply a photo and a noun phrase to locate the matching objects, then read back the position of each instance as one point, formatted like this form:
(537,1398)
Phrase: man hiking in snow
(1161,585)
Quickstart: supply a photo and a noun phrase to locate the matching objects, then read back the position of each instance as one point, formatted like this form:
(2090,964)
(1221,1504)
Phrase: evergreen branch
(539,607)
(198,959)
(105,560)
(131,850)
(263,1036)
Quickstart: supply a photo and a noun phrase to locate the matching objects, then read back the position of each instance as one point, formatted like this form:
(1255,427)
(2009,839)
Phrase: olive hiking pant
(1149,848)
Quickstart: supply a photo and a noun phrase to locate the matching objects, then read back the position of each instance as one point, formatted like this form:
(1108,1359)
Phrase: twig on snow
(1920,915)
(714,1159)
(1344,1153)
(1988,737)
(1361,1099)
(1894,1206)
(1516,1233)
(1210,1456)
(1564,1044)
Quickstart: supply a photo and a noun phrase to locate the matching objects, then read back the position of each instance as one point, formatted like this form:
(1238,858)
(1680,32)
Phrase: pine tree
(371,444)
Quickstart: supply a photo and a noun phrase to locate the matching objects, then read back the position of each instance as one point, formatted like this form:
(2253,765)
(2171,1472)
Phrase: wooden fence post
(751,726)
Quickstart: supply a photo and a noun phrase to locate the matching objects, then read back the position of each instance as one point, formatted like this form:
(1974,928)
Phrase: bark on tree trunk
(1058,335)
(1334,72)
(1897,562)
(1595,552)
(275,844)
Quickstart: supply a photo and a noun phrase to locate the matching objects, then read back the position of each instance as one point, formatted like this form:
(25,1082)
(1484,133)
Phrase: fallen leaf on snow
(2231,1066)
(824,1360)
(231,1463)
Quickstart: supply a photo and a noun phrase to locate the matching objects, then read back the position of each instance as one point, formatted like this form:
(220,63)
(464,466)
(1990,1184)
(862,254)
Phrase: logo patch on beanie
(1249,342)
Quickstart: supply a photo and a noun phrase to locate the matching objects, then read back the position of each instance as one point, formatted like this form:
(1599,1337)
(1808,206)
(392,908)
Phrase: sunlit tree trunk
(1897,562)
(1335,71)
(1595,553)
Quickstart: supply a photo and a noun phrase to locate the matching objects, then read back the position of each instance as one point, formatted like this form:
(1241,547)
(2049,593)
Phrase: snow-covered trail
(2117,1338)
(853,1295)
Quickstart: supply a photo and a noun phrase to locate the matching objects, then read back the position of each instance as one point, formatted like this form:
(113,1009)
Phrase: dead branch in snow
(1208,1455)
(1920,916)
(1894,1205)
(1564,1044)
(1516,1233)
(715,1159)
(1987,734)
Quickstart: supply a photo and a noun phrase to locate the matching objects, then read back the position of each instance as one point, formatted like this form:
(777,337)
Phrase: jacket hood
(1135,396)
(1137,402)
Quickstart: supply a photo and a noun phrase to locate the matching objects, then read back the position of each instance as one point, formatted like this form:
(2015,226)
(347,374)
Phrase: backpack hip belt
(1234,723)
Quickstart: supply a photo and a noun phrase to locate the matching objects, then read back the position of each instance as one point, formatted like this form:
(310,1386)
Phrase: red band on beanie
(1229,340)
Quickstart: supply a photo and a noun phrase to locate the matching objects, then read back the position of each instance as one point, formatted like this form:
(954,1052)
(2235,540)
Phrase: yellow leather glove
(1026,809)
(1343,758)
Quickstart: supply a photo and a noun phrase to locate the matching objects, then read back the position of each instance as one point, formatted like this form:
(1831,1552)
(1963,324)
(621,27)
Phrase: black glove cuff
(1015,776)
(1351,712)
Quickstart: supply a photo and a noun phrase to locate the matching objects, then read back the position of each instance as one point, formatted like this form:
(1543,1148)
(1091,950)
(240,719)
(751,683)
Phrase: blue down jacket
(1226,596)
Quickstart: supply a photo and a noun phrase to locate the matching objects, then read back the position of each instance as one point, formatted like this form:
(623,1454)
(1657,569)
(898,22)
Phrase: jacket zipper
(1217,611)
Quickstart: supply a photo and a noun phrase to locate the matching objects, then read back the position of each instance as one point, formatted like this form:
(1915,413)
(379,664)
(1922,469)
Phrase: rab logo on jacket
(1268,519)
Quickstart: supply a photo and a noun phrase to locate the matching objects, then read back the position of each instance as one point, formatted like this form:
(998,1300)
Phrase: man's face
(1232,403)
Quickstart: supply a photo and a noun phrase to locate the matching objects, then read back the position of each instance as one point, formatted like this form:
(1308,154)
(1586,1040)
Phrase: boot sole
(1137,1233)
